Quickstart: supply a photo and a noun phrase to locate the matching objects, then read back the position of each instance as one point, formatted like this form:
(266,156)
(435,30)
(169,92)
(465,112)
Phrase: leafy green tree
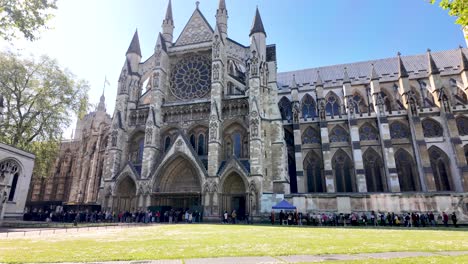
(458,8)
(39,100)
(25,16)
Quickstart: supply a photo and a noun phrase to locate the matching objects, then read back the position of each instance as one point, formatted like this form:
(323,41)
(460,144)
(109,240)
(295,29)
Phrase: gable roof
(448,62)
(196,30)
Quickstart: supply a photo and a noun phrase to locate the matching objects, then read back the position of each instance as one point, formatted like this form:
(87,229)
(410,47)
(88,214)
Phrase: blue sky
(90,37)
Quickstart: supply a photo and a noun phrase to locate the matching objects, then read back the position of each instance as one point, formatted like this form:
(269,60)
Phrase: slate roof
(448,62)
(135,45)
(257,25)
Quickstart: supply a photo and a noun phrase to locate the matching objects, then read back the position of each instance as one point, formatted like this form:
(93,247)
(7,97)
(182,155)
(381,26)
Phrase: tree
(25,16)
(39,100)
(458,8)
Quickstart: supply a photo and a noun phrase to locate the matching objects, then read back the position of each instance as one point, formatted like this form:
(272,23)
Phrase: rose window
(191,77)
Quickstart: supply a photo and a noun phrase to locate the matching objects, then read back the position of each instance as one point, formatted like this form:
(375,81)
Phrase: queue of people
(171,216)
(410,219)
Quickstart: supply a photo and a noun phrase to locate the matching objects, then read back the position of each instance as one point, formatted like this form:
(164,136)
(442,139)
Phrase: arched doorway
(234,195)
(126,196)
(179,186)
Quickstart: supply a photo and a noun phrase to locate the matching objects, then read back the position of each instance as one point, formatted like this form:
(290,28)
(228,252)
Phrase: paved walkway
(293,259)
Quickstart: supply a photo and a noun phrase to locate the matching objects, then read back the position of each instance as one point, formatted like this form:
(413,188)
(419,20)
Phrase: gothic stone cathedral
(207,123)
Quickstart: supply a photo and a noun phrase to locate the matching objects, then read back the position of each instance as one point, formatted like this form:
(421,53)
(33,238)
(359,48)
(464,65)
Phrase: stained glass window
(201,144)
(310,136)
(308,107)
(462,124)
(373,169)
(338,134)
(359,105)
(440,169)
(191,77)
(313,167)
(167,143)
(285,108)
(432,128)
(343,172)
(192,141)
(406,171)
(333,105)
(398,130)
(237,144)
(368,132)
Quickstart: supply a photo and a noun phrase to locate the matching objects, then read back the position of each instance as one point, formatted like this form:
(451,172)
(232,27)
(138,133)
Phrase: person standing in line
(281,217)
(233,216)
(454,219)
(445,218)
(272,217)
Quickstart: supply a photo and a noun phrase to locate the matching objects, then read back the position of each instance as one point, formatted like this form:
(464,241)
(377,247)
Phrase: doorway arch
(179,186)
(234,195)
(126,195)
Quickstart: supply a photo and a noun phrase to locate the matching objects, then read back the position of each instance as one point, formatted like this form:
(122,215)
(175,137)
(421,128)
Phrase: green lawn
(205,240)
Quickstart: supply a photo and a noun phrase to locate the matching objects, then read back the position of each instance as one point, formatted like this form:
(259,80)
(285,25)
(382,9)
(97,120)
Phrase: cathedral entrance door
(234,195)
(126,196)
(179,186)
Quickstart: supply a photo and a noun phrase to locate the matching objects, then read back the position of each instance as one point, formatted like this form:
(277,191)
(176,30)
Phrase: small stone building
(16,168)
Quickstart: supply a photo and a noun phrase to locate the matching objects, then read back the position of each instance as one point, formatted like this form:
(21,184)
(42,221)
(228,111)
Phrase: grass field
(205,240)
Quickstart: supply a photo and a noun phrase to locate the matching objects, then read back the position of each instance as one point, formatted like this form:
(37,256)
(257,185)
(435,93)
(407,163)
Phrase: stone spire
(222,5)
(432,66)
(102,103)
(169,13)
(168,24)
(402,73)
(464,61)
(373,75)
(257,25)
(134,45)
(221,18)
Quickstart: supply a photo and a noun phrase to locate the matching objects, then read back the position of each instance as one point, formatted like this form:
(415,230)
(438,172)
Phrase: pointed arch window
(368,132)
(192,141)
(407,175)
(343,172)
(462,125)
(237,144)
(432,128)
(333,105)
(359,104)
(311,136)
(167,143)
(373,167)
(14,184)
(309,109)
(440,169)
(313,171)
(339,134)
(399,130)
(285,109)
(201,145)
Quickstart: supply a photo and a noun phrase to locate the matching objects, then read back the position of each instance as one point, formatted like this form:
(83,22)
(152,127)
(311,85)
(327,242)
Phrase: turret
(258,35)
(221,18)
(102,103)
(168,25)
(134,52)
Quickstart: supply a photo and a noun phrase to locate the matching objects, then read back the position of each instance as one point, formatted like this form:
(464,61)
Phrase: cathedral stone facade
(207,123)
